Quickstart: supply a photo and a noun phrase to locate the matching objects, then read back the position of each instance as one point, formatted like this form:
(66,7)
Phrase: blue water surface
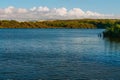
(58,54)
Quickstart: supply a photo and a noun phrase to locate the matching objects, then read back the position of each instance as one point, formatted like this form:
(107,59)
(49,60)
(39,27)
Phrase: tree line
(82,23)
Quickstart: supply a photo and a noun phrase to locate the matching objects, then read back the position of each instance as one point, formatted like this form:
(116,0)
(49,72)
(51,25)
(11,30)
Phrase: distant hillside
(82,23)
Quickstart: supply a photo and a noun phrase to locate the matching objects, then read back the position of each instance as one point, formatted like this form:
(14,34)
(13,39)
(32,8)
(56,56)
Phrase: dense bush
(112,32)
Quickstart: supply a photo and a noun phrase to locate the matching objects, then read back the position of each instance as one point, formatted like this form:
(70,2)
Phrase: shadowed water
(58,54)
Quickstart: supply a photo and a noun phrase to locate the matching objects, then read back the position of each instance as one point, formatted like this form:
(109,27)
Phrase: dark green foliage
(113,32)
(82,23)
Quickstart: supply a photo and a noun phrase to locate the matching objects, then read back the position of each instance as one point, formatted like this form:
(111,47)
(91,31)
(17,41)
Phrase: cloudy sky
(58,9)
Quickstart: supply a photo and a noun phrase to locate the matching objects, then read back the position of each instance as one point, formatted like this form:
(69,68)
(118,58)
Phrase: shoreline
(72,24)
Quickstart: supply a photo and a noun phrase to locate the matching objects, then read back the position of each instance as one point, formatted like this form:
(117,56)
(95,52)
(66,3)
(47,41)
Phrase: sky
(58,9)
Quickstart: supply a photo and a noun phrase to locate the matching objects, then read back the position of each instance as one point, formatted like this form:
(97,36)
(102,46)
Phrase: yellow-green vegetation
(82,23)
(113,32)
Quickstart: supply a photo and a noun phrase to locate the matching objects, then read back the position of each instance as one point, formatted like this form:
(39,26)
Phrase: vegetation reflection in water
(112,49)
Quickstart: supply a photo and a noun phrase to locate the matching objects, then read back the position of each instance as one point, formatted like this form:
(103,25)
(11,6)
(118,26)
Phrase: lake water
(58,54)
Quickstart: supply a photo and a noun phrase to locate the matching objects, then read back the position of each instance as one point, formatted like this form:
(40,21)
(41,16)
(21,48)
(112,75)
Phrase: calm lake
(58,54)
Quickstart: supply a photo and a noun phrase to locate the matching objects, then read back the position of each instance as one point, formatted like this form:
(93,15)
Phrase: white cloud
(9,10)
(76,12)
(43,9)
(38,13)
(33,9)
(21,10)
(60,11)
